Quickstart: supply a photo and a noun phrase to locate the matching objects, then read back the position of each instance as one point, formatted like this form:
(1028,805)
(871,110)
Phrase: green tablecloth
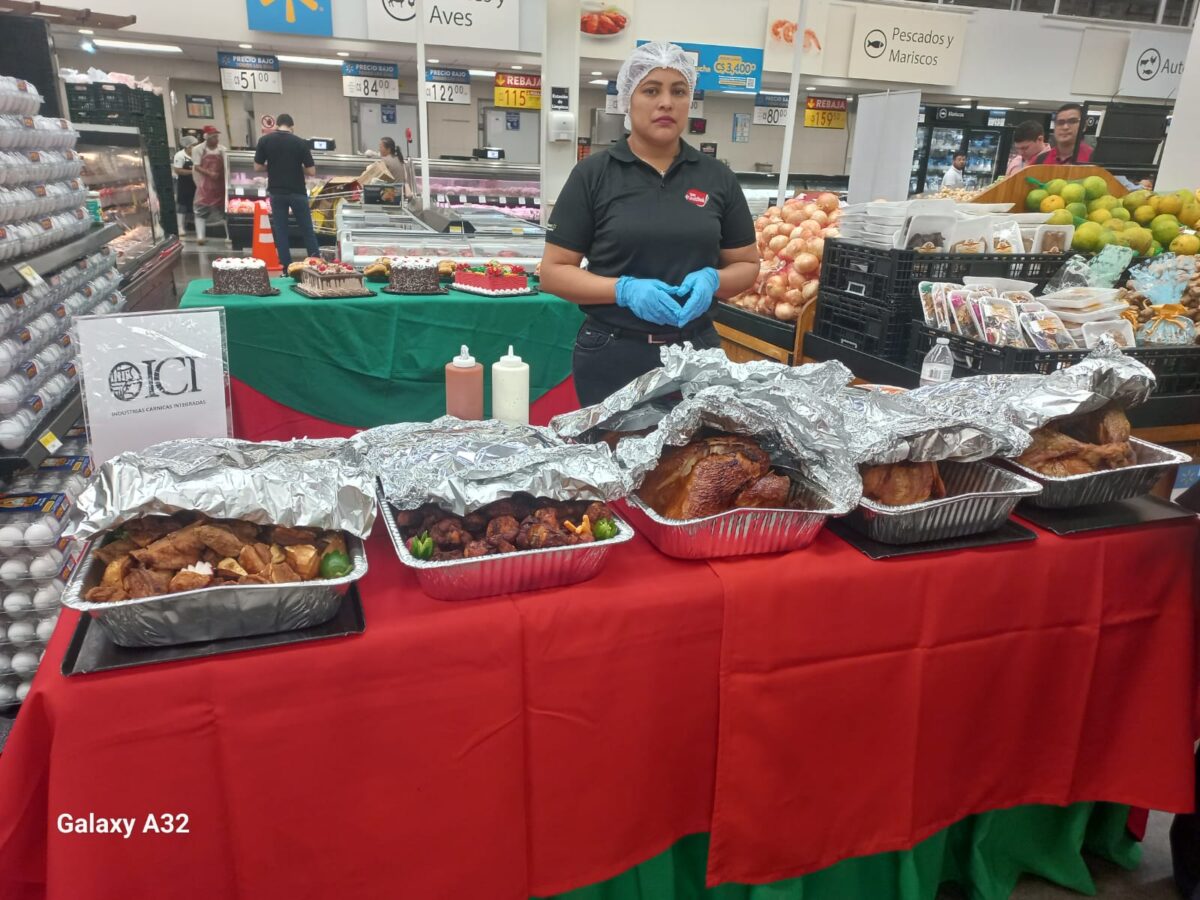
(376,360)
(984,854)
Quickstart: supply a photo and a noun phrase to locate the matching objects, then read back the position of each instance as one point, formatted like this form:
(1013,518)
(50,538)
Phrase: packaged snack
(963,316)
(1031,306)
(999,322)
(972,235)
(1046,331)
(1079,298)
(1019,297)
(1053,238)
(1108,265)
(1169,325)
(928,234)
(1121,331)
(943,317)
(1006,237)
(999,285)
(925,289)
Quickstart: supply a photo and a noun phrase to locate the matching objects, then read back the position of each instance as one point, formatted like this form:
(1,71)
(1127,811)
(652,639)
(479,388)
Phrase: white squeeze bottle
(510,389)
(938,367)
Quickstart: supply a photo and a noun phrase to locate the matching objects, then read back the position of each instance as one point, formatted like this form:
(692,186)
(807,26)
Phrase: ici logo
(170,377)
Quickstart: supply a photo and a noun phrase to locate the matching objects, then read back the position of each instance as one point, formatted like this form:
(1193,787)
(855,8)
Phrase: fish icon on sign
(875,43)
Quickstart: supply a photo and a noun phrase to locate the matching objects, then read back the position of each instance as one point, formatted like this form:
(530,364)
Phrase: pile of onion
(791,241)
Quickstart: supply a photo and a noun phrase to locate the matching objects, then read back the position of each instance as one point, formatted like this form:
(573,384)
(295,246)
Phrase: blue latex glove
(697,291)
(648,299)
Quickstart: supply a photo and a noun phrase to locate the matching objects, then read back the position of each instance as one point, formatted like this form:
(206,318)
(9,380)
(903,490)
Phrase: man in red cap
(209,172)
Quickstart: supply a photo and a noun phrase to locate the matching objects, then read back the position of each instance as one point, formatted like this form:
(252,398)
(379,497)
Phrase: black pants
(298,205)
(605,363)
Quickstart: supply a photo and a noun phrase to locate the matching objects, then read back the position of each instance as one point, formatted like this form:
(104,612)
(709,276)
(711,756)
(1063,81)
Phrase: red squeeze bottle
(464,387)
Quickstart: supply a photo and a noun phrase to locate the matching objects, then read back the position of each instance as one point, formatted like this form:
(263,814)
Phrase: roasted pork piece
(157,555)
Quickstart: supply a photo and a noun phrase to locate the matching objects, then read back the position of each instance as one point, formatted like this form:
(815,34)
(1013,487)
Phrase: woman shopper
(665,230)
(185,184)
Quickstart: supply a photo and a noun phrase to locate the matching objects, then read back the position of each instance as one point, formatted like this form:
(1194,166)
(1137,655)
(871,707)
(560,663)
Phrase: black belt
(666,337)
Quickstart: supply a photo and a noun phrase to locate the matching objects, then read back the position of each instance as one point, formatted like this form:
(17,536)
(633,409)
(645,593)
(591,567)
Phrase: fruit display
(1149,223)
(791,241)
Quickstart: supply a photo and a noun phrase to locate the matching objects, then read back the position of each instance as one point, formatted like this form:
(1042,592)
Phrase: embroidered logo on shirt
(697,198)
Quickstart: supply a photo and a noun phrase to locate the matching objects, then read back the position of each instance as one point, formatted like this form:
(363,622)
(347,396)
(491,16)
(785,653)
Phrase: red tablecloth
(526,745)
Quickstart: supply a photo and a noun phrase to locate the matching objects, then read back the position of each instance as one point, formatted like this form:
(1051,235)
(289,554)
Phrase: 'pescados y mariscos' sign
(913,46)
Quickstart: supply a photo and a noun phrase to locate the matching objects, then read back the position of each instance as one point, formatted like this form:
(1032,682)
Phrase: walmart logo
(313,17)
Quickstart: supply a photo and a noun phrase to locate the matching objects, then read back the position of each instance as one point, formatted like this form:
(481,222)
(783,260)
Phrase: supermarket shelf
(772,331)
(51,261)
(485,199)
(57,423)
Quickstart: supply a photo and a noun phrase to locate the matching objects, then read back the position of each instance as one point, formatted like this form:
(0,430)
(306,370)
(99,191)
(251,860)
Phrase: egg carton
(18,665)
(34,166)
(14,689)
(32,376)
(21,202)
(36,133)
(31,525)
(18,428)
(18,97)
(28,633)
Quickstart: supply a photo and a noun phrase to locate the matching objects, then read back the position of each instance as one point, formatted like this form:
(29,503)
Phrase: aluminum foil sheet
(462,466)
(1105,487)
(981,498)
(793,425)
(212,613)
(505,573)
(320,484)
(1031,401)
(889,428)
(640,405)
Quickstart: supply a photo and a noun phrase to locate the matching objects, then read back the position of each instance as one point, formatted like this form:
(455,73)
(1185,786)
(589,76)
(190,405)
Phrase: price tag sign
(371,81)
(50,441)
(520,201)
(239,192)
(441,198)
(771,109)
(482,199)
(249,73)
(31,276)
(825,112)
(462,198)
(518,91)
(447,85)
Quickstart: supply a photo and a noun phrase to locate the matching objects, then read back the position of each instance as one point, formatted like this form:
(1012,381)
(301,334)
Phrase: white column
(794,110)
(422,105)
(560,68)
(1178,168)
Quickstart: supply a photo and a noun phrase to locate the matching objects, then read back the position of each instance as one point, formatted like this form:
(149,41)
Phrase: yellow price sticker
(50,441)
(518,98)
(824,118)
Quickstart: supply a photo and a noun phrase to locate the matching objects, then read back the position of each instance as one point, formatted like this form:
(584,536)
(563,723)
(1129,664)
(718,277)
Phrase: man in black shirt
(287,159)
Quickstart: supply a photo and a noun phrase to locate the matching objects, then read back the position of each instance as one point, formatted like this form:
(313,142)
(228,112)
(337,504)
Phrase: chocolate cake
(331,279)
(414,275)
(235,275)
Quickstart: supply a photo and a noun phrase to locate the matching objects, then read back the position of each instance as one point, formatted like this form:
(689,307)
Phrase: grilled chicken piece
(177,550)
(287,536)
(247,532)
(253,579)
(255,559)
(505,527)
(502,545)
(189,581)
(1059,455)
(115,572)
(1105,426)
(769,492)
(597,511)
(903,483)
(448,534)
(103,594)
(478,548)
(705,477)
(332,542)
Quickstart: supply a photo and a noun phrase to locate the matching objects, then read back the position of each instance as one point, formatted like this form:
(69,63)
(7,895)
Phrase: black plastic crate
(79,98)
(891,276)
(1176,369)
(106,117)
(878,329)
(114,98)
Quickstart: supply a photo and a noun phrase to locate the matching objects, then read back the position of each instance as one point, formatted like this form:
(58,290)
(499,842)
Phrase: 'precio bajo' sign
(896,44)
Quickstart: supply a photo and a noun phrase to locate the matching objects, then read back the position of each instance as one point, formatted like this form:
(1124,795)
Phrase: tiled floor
(1152,881)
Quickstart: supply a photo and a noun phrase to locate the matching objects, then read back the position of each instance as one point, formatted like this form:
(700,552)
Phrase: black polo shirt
(627,219)
(286,156)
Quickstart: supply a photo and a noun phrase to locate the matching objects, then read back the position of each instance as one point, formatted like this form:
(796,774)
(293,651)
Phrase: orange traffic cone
(264,241)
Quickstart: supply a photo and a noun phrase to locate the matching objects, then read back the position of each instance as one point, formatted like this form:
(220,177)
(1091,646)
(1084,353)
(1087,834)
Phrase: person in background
(287,159)
(185,184)
(665,230)
(954,175)
(1069,148)
(1029,140)
(209,171)
(388,168)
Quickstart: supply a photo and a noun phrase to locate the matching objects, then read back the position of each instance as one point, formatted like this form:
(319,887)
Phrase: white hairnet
(644,60)
(188,141)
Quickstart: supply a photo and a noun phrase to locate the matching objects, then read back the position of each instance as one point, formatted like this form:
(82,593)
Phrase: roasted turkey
(714,475)
(1094,442)
(903,483)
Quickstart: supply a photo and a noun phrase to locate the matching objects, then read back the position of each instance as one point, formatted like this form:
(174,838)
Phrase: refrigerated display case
(485,185)
(335,182)
(946,131)
(116,166)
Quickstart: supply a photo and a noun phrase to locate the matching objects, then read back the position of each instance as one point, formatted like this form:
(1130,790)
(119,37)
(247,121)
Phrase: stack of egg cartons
(42,199)
(37,354)
(35,560)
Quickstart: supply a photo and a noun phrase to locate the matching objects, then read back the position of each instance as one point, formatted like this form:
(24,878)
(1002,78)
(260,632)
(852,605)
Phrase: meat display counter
(336,182)
(762,188)
(116,168)
(486,185)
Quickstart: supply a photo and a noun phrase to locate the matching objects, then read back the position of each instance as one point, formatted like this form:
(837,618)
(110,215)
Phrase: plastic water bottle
(938,367)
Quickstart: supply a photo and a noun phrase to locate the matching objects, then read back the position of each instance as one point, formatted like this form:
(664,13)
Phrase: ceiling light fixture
(965,99)
(343,54)
(518,68)
(86,31)
(601,81)
(482,73)
(1022,102)
(137,46)
(433,61)
(597,73)
(245,46)
(810,88)
(776,93)
(309,60)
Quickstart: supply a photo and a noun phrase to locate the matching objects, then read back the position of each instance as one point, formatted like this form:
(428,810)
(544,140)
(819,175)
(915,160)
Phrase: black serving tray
(91,651)
(1143,510)
(1009,533)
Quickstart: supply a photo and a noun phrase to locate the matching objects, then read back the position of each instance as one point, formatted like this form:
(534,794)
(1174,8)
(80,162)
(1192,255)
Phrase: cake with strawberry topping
(495,278)
(319,278)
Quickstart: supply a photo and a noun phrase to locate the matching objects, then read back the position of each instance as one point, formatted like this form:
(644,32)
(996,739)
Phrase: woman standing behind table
(664,228)
(185,184)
